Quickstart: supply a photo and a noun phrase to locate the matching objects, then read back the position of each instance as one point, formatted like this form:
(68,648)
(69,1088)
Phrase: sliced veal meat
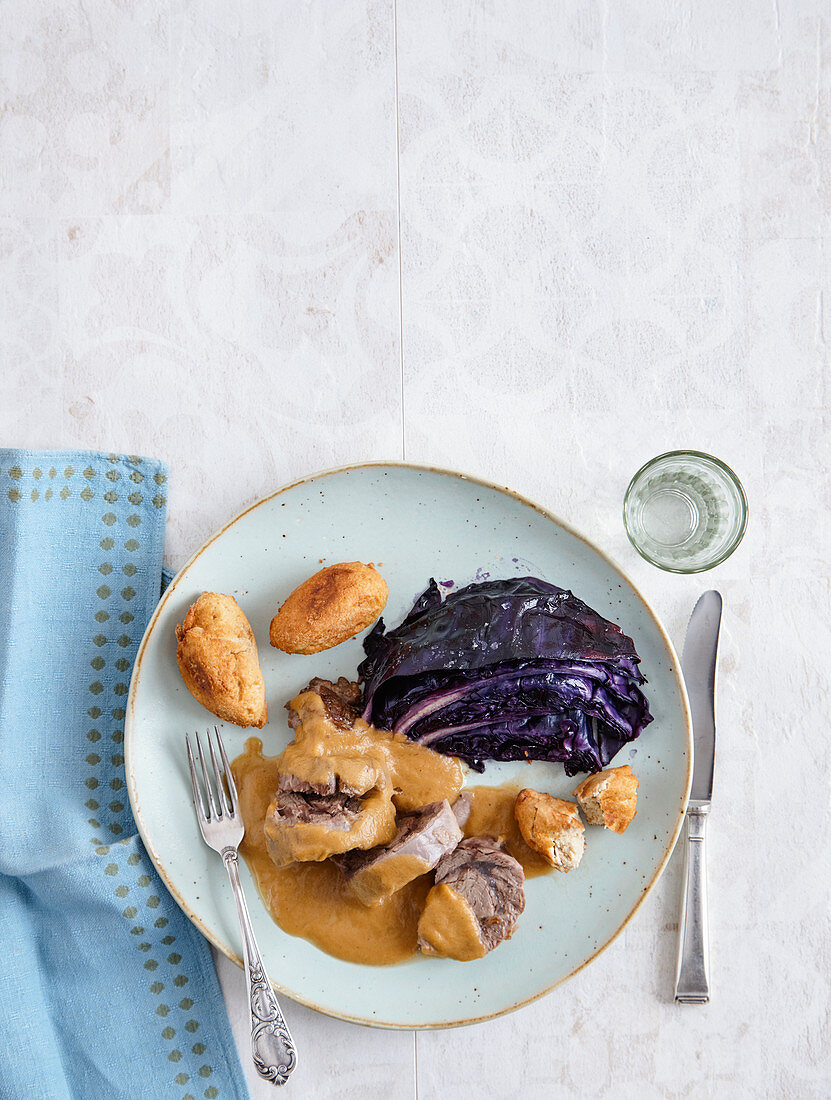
(479,893)
(461,808)
(293,783)
(309,827)
(332,752)
(423,837)
(341,699)
(337,811)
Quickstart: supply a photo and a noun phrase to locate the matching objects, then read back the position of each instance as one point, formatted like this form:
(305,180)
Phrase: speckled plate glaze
(416,523)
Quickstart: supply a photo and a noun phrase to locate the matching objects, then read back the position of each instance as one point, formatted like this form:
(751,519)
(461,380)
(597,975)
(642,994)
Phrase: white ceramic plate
(416,523)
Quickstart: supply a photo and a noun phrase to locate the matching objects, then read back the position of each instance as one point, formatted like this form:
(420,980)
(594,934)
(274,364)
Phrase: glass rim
(728,549)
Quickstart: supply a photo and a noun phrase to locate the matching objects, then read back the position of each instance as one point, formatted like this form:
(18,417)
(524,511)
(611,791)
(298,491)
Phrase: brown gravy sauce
(312,899)
(492,814)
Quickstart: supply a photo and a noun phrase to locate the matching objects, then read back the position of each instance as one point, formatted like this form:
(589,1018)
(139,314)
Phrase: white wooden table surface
(536,241)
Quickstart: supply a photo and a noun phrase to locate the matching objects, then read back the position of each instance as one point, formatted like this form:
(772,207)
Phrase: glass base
(685,511)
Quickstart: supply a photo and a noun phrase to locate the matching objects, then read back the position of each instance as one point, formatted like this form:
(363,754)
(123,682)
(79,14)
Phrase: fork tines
(226,803)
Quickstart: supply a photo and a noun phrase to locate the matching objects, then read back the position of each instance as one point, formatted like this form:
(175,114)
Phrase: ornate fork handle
(271,1044)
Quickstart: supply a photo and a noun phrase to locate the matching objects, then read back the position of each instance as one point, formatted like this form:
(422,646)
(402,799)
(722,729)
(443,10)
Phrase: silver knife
(698,663)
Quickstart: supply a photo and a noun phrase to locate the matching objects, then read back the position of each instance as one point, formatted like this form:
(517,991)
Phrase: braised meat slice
(474,905)
(294,784)
(341,699)
(423,837)
(461,808)
(333,751)
(338,811)
(307,827)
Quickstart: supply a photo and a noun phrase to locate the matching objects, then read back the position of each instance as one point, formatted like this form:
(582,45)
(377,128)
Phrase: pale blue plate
(415,522)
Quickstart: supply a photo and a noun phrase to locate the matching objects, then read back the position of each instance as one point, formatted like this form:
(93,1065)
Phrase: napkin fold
(106,989)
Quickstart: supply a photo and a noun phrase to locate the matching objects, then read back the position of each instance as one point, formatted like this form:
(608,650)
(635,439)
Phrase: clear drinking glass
(685,511)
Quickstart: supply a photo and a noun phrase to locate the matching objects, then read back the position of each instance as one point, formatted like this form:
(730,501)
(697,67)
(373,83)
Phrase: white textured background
(539,241)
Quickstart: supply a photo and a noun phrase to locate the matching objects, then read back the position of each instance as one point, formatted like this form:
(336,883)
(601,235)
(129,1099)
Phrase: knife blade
(698,663)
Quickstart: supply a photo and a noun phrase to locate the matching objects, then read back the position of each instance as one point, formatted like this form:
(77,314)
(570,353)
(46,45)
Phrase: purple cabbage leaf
(513,669)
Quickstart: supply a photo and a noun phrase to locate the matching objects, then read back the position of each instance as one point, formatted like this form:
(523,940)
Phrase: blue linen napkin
(106,989)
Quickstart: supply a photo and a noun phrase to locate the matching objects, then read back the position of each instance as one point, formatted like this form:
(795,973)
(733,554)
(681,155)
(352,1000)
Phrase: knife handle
(692,984)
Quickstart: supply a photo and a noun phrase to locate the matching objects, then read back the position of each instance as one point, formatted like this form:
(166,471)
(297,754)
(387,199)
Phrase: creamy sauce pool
(492,814)
(312,900)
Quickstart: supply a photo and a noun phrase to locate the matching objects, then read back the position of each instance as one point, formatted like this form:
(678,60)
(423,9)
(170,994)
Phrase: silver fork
(222,829)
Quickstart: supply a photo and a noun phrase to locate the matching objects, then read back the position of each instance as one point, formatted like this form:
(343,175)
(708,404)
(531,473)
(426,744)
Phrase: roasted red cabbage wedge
(513,669)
